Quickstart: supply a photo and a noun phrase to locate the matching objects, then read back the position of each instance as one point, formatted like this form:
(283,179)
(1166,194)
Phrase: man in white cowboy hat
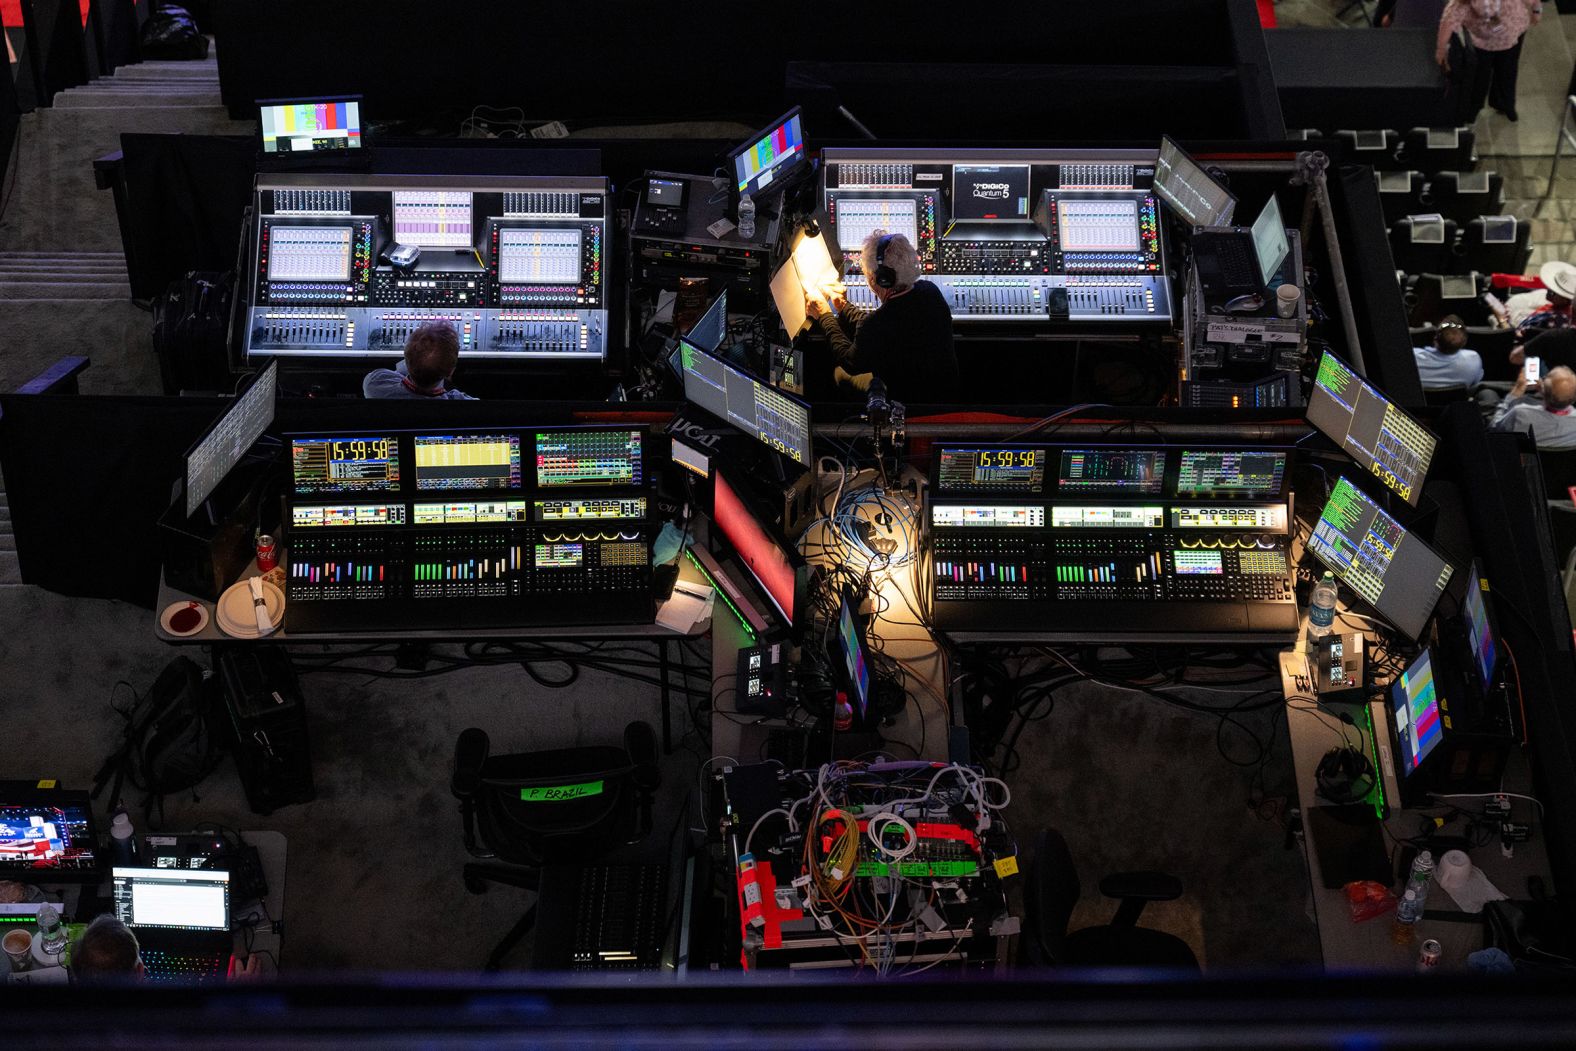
(1559,284)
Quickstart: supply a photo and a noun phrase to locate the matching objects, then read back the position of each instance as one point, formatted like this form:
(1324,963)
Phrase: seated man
(908,342)
(1559,284)
(108,952)
(1448,363)
(431,355)
(1548,419)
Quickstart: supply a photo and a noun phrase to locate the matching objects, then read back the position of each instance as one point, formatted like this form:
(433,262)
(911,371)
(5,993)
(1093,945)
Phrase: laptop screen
(173,898)
(1269,241)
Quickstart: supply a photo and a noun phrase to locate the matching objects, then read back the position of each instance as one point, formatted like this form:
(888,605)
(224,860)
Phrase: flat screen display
(49,840)
(217,452)
(306,126)
(761,554)
(1020,469)
(1480,634)
(855,662)
(990,192)
(362,464)
(1112,471)
(1382,439)
(1192,193)
(1414,701)
(771,156)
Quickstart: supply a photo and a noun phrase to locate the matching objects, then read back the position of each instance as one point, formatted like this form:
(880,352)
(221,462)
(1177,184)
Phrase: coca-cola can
(1428,956)
(267,553)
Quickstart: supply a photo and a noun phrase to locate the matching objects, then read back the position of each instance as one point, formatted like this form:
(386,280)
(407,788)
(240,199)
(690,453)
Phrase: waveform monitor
(770,157)
(310,126)
(467,461)
(1231,472)
(528,256)
(1112,471)
(1191,192)
(990,192)
(216,453)
(345,465)
(1393,571)
(1019,470)
(1382,439)
(778,420)
(566,458)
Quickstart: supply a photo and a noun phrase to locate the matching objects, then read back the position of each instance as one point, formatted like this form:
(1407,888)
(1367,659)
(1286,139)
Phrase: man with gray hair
(107,952)
(907,343)
(1543,409)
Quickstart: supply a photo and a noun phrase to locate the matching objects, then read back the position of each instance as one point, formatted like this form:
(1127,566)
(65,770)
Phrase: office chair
(569,806)
(1050,892)
(1442,396)
(1429,297)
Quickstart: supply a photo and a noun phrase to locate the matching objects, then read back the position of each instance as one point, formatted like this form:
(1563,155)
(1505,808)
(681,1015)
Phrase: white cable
(763,817)
(1487,795)
(873,833)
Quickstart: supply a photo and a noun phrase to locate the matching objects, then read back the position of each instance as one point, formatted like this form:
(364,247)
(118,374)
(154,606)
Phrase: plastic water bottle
(123,840)
(1410,909)
(1321,606)
(746,217)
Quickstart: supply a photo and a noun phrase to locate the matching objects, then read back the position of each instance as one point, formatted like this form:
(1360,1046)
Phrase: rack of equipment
(347,265)
(503,527)
(1010,235)
(1050,542)
(894,867)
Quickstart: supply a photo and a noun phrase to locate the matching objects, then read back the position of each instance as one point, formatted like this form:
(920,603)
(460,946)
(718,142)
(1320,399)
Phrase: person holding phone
(1542,408)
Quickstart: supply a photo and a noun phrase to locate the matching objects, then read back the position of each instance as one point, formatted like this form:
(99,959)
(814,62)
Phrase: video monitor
(571,458)
(216,453)
(435,219)
(856,655)
(774,567)
(347,464)
(328,125)
(779,421)
(1231,472)
(1381,438)
(539,256)
(990,192)
(1394,572)
(771,157)
(310,253)
(1480,631)
(172,899)
(1196,197)
(1014,469)
(49,837)
(1414,707)
(1136,471)
(712,328)
(1269,241)
(467,461)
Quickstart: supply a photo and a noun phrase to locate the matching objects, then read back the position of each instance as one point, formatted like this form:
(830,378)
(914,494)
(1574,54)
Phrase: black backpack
(172,738)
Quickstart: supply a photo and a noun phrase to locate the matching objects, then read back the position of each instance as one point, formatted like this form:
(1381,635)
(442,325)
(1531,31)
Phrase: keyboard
(1238,267)
(161,966)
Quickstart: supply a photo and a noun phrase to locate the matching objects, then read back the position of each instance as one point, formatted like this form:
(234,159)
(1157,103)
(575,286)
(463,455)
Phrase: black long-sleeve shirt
(908,343)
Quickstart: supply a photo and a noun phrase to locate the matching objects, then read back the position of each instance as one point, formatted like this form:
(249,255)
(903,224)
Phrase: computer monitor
(1269,240)
(775,567)
(590,458)
(768,159)
(712,328)
(1382,439)
(990,192)
(172,899)
(1196,197)
(856,655)
(1394,572)
(1415,714)
(1480,631)
(324,125)
(216,453)
(467,461)
(347,463)
(48,837)
(779,421)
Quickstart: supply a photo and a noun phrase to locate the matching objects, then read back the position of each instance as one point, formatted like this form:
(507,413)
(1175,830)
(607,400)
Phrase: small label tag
(1006,866)
(553,129)
(561,793)
(47,783)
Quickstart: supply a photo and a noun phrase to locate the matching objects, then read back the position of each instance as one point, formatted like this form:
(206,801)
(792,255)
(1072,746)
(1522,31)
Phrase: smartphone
(1534,369)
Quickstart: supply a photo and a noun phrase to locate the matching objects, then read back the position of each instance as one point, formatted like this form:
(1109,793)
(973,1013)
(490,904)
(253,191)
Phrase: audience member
(1448,363)
(431,355)
(1543,411)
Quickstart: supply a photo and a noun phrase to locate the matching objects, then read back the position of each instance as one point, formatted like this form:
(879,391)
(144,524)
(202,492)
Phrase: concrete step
(7,541)
(62,277)
(10,570)
(130,101)
(21,291)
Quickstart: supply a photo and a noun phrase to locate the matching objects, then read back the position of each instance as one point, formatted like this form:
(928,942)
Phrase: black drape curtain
(188,193)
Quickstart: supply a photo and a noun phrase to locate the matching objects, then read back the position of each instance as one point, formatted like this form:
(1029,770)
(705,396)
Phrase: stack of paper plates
(235,615)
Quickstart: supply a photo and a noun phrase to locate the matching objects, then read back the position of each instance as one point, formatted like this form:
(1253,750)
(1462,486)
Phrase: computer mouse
(403,256)
(1248,304)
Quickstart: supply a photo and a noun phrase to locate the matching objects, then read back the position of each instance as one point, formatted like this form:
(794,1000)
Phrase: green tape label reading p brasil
(561,793)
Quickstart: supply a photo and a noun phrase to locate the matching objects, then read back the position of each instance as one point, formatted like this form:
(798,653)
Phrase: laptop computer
(1236,260)
(181,919)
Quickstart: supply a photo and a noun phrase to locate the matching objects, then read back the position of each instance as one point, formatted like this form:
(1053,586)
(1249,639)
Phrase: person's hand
(815,305)
(1518,354)
(250,971)
(1444,63)
(839,302)
(1523,386)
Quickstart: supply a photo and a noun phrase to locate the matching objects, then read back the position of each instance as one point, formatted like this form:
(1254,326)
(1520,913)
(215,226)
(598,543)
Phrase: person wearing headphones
(907,342)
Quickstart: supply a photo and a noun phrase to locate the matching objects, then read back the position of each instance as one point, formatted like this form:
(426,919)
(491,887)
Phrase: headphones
(1345,776)
(886,277)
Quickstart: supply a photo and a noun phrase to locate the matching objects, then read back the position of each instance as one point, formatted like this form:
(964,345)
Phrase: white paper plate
(175,607)
(234,610)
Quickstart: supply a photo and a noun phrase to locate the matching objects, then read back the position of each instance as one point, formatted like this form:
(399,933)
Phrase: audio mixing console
(1040,541)
(468,528)
(516,265)
(1090,249)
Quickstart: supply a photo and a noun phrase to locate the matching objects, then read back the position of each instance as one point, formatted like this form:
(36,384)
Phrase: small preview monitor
(665,193)
(345,464)
(1196,197)
(1389,568)
(1480,632)
(49,837)
(711,328)
(1382,439)
(990,192)
(590,457)
(216,453)
(1269,240)
(779,421)
(172,899)
(467,461)
(1414,707)
(855,653)
(310,125)
(772,564)
(771,157)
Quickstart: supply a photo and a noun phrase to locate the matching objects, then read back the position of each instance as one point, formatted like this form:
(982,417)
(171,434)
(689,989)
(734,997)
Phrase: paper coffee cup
(1286,297)
(19,946)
